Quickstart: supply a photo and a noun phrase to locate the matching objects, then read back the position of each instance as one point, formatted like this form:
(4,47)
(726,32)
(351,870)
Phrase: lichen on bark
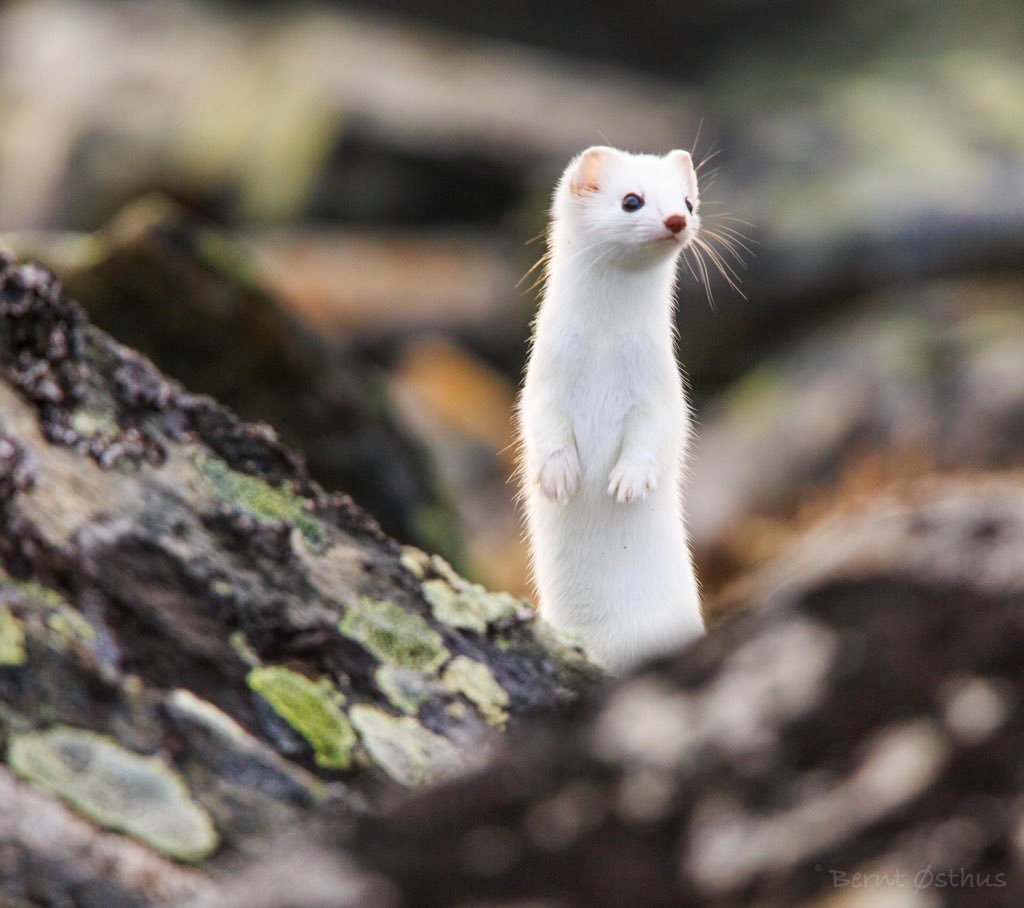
(177,592)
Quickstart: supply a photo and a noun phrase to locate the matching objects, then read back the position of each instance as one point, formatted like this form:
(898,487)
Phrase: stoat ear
(588,170)
(683,160)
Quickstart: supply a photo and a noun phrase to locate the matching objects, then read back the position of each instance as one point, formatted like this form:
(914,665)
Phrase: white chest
(605,377)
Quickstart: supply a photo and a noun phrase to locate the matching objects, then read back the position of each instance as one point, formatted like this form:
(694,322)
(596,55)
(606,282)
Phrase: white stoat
(603,417)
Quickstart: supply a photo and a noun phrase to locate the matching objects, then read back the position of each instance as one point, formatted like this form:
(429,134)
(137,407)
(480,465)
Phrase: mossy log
(854,740)
(197,642)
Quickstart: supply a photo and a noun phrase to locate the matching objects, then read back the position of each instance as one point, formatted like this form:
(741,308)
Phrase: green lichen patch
(92,425)
(267,503)
(117,789)
(12,639)
(62,621)
(312,708)
(468,606)
(476,683)
(394,636)
(242,648)
(36,592)
(443,569)
(70,625)
(409,753)
(415,561)
(404,688)
(39,602)
(566,649)
(457,709)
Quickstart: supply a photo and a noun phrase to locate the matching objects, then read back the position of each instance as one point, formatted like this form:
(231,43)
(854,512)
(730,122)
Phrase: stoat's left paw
(559,475)
(630,481)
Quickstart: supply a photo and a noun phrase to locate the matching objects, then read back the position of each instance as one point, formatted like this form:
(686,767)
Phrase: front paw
(630,481)
(559,475)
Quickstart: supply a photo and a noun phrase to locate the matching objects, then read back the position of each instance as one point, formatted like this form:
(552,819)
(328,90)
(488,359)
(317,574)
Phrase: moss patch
(12,639)
(267,503)
(395,636)
(409,753)
(476,683)
(117,789)
(312,708)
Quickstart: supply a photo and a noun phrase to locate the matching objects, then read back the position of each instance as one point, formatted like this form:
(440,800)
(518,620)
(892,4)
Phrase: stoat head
(643,206)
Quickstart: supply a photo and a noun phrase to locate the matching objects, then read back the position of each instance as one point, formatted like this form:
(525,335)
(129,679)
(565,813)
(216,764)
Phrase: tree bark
(197,642)
(187,297)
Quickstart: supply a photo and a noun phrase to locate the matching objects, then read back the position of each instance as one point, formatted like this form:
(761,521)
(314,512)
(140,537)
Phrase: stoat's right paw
(559,475)
(629,482)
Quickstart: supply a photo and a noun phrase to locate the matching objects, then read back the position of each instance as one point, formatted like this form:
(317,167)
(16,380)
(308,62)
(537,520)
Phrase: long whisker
(689,268)
(537,264)
(708,181)
(729,245)
(702,268)
(730,237)
(708,157)
(737,235)
(707,278)
(723,266)
(729,216)
(729,251)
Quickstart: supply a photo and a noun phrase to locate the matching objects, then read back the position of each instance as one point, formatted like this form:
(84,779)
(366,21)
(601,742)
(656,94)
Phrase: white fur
(603,415)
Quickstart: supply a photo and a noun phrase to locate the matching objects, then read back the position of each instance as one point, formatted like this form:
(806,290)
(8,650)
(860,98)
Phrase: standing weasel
(603,416)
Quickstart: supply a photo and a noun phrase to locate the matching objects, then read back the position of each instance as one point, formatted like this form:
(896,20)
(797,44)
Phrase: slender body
(603,417)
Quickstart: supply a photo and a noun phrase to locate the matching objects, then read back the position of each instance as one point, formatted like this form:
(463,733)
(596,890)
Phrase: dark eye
(632,202)
(689,206)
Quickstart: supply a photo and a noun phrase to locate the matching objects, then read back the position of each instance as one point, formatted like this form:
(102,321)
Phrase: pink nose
(675,223)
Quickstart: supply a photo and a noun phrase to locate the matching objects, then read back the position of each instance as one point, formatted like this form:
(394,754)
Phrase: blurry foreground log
(197,643)
(853,741)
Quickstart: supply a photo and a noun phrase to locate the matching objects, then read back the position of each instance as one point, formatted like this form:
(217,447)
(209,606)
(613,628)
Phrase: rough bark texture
(199,646)
(186,296)
(864,719)
(197,643)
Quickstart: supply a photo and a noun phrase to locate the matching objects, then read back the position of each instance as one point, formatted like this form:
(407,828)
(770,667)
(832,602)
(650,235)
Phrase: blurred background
(320,213)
